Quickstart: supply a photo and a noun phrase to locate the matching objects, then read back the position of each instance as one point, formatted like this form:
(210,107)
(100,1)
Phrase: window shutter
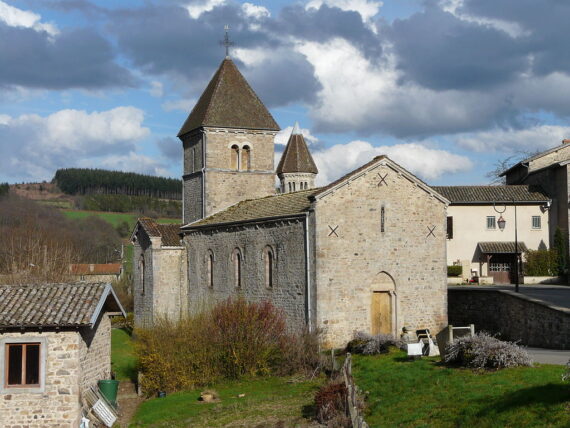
(450,227)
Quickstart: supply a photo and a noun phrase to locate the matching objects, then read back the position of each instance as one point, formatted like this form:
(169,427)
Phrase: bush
(455,270)
(234,339)
(331,405)
(366,344)
(484,351)
(541,263)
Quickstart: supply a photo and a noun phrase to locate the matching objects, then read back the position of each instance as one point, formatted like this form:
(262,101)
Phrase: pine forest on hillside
(85,181)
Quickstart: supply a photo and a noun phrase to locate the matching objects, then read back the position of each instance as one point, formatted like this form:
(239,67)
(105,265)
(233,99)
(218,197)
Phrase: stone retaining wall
(515,317)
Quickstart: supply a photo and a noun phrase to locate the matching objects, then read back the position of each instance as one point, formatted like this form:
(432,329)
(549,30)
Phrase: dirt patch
(128,401)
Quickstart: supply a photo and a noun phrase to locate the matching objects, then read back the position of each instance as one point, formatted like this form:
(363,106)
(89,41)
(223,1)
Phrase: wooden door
(501,268)
(381,312)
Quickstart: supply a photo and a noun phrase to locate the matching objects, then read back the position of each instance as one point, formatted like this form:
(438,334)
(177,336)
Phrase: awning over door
(501,247)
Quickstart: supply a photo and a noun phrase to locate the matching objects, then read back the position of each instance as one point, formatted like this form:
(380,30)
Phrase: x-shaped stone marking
(382,179)
(431,229)
(333,231)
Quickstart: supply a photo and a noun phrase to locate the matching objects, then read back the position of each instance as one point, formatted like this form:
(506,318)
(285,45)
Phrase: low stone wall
(543,280)
(514,316)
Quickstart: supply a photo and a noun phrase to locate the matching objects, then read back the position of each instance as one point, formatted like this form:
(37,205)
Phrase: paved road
(558,295)
(549,356)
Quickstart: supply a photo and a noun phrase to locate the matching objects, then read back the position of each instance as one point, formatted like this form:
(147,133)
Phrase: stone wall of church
(286,240)
(356,255)
(170,283)
(192,197)
(143,280)
(225,184)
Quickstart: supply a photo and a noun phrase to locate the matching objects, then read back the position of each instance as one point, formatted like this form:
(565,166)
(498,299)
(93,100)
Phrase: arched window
(245,158)
(141,274)
(269,260)
(237,260)
(234,161)
(210,269)
(294,186)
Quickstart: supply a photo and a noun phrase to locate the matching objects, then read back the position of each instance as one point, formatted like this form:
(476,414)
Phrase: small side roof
(95,268)
(497,247)
(170,233)
(283,205)
(491,194)
(55,305)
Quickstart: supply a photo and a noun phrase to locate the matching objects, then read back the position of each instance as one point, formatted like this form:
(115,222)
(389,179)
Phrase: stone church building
(367,252)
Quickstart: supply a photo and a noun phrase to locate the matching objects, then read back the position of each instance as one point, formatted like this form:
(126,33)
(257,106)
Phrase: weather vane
(226,42)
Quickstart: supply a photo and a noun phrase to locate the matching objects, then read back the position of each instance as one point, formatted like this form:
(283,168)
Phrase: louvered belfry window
(22,361)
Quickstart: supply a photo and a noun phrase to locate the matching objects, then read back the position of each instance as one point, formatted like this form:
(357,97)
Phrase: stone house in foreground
(55,343)
(366,252)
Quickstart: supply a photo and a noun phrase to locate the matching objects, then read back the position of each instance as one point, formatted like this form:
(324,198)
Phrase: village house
(476,237)
(55,343)
(366,252)
(93,272)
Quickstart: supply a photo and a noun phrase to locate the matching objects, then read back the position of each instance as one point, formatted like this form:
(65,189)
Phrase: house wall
(286,238)
(404,259)
(95,353)
(58,406)
(470,228)
(560,155)
(96,278)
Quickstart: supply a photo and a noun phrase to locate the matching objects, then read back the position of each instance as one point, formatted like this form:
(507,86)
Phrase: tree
(502,165)
(561,247)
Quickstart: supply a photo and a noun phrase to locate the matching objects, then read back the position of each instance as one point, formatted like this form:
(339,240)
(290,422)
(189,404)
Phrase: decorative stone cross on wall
(382,179)
(333,231)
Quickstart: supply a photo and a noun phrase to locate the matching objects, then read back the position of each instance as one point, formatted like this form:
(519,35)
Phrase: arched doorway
(383,305)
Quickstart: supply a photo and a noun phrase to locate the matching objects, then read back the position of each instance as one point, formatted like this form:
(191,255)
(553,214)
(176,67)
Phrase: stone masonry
(284,237)
(359,258)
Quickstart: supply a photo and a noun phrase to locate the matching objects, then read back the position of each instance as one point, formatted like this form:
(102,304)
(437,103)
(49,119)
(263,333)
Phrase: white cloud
(427,163)
(282,137)
(255,11)
(15,17)
(184,104)
(198,7)
(156,89)
(35,146)
(370,96)
(367,9)
(540,137)
(133,162)
(513,29)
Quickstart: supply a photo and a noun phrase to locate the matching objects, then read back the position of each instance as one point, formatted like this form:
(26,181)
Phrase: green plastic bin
(109,390)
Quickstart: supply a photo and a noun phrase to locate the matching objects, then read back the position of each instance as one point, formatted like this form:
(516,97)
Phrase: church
(366,252)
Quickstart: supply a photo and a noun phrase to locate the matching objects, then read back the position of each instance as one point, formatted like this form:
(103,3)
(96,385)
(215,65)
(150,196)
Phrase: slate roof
(55,305)
(501,247)
(229,102)
(170,233)
(286,204)
(296,156)
(95,269)
(490,194)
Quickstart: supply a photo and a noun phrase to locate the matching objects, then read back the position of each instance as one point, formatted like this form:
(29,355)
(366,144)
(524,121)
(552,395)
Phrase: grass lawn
(114,218)
(426,394)
(123,360)
(267,402)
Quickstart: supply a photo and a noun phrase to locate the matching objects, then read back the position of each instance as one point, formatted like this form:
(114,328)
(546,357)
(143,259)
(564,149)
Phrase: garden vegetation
(234,339)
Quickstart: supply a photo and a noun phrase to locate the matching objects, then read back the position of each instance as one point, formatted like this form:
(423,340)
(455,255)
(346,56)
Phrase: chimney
(566,141)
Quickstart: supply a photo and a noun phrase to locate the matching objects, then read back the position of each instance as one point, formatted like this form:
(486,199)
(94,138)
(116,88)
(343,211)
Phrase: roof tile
(490,194)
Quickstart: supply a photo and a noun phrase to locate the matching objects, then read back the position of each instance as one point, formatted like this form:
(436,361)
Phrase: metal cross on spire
(227,42)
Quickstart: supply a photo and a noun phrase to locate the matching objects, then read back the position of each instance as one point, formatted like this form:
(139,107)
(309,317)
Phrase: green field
(425,393)
(114,218)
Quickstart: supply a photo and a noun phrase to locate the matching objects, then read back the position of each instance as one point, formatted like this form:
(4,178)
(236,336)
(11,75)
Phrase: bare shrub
(366,344)
(300,353)
(233,339)
(485,351)
(331,403)
(566,375)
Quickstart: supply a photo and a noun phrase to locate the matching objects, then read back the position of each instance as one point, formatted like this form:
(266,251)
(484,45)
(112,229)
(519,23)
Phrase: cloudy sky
(444,87)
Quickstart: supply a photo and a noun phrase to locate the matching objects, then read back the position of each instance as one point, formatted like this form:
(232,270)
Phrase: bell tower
(296,169)
(228,146)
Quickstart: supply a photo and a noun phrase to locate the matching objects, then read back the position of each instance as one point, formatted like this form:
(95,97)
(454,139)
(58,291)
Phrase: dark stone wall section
(513,316)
